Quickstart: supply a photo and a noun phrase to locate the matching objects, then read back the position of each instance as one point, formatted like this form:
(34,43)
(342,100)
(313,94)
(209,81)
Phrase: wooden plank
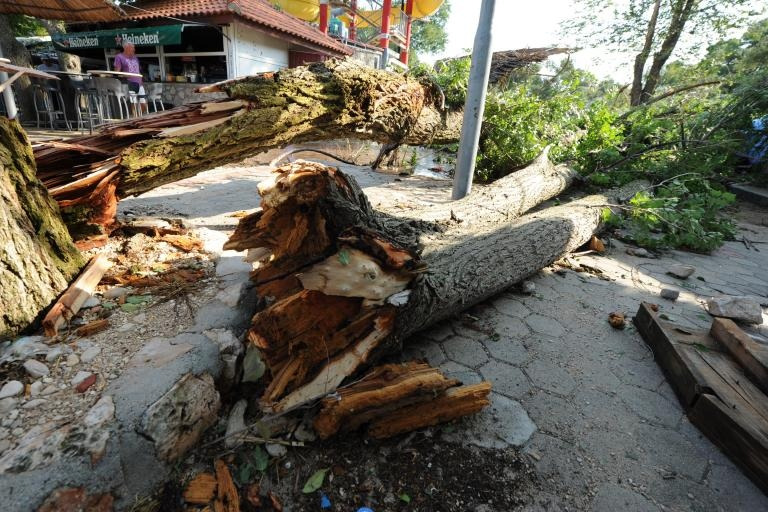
(751,355)
(682,376)
(737,437)
(73,298)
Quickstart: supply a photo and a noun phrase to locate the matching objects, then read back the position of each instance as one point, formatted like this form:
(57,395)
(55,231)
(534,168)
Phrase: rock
(231,294)
(54,354)
(79,378)
(72,360)
(159,352)
(141,317)
(10,418)
(35,368)
(102,412)
(7,404)
(26,347)
(35,388)
(86,383)
(115,292)
(128,326)
(681,271)
(49,390)
(34,403)
(304,433)
(253,366)
(669,294)
(11,388)
(527,287)
(276,450)
(178,419)
(226,340)
(639,252)
(236,424)
(90,354)
(745,309)
(91,302)
(229,370)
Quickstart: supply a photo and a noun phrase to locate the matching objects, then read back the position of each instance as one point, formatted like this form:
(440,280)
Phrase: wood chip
(201,489)
(92,327)
(227,492)
(184,242)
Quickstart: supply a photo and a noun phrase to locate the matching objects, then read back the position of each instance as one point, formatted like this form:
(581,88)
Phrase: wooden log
(751,355)
(441,267)
(201,489)
(78,292)
(37,256)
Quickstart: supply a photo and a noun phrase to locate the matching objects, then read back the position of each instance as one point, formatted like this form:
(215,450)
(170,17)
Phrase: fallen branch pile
(345,284)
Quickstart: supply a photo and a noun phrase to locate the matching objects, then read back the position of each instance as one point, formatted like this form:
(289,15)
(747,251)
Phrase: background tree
(654,31)
(428,35)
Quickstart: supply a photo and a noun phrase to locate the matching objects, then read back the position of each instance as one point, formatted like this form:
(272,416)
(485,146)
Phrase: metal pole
(324,8)
(408,19)
(475,103)
(10,101)
(386,11)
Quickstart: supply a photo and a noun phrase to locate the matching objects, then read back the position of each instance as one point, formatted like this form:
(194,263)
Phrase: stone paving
(610,433)
(587,403)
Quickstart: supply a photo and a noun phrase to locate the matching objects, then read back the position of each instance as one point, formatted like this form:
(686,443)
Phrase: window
(201,56)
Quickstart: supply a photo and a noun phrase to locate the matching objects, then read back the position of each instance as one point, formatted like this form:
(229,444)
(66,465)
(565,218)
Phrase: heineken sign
(147,36)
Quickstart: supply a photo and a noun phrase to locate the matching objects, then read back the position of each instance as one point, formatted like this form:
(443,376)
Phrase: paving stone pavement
(610,433)
(586,402)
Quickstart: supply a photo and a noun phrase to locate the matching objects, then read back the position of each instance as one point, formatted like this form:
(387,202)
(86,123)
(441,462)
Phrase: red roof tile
(258,12)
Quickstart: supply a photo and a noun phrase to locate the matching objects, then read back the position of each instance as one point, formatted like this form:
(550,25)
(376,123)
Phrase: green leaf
(315,481)
(344,257)
(130,308)
(245,473)
(138,299)
(260,458)
(404,497)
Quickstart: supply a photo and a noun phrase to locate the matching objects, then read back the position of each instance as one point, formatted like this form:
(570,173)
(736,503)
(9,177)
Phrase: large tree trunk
(37,257)
(318,102)
(347,284)
(67,61)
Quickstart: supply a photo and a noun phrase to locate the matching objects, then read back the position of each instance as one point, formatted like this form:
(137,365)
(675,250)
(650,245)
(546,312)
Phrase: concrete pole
(475,103)
(10,101)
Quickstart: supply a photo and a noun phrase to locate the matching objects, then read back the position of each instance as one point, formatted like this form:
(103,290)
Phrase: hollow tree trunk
(37,256)
(347,284)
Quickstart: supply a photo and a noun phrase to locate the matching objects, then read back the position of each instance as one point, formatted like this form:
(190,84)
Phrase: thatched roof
(66,10)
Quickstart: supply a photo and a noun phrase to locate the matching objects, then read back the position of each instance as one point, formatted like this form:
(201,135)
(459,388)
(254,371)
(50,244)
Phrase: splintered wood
(397,398)
(328,280)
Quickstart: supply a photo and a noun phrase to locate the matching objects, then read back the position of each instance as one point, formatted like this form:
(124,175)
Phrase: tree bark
(318,237)
(642,57)
(67,61)
(37,256)
(318,102)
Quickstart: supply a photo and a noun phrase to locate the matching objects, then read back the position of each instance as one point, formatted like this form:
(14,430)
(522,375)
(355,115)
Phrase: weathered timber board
(714,390)
(751,355)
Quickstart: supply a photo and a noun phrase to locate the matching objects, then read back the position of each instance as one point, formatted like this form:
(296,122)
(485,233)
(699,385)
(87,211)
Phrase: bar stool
(45,106)
(87,106)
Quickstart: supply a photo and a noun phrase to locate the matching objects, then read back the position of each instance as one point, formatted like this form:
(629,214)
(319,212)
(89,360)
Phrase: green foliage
(428,35)
(26,26)
(681,213)
(315,481)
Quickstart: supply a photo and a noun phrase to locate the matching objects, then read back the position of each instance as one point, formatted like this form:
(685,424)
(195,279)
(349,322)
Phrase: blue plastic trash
(364,509)
(325,503)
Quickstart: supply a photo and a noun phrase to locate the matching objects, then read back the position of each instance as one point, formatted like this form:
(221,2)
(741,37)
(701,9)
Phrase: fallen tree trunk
(357,282)
(37,256)
(317,102)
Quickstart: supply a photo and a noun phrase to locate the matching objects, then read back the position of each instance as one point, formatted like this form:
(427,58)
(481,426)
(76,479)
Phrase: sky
(526,24)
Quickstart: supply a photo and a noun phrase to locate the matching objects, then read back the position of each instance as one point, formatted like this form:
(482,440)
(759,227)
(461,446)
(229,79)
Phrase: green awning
(146,36)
